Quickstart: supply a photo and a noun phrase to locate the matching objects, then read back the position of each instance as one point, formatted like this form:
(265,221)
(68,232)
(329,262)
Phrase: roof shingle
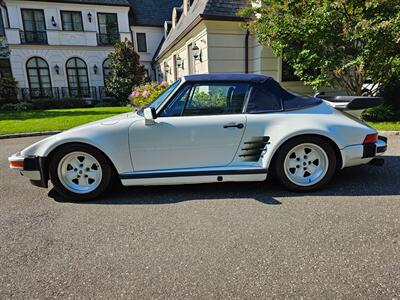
(152,12)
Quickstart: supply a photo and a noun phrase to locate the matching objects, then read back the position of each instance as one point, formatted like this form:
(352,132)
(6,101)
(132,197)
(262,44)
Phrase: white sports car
(209,128)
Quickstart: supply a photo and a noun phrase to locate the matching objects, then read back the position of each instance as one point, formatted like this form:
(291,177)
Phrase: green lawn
(53,119)
(389,126)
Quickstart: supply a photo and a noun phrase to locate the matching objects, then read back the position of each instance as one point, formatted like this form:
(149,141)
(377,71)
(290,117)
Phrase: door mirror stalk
(150,115)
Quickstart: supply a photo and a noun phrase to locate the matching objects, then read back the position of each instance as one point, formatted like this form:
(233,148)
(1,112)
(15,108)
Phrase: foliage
(343,42)
(8,90)
(126,71)
(146,93)
(58,104)
(379,114)
(212,99)
(20,106)
(391,94)
(4,49)
(53,119)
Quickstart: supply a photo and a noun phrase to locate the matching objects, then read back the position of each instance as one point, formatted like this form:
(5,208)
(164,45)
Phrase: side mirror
(150,115)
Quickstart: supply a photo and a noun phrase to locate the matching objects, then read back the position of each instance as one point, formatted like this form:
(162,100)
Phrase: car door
(201,126)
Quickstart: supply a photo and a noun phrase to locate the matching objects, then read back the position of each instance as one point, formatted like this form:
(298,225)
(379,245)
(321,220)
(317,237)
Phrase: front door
(202,126)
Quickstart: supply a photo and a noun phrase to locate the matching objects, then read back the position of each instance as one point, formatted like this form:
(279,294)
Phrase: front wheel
(305,163)
(80,172)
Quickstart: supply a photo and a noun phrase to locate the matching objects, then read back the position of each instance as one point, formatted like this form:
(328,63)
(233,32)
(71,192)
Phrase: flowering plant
(145,94)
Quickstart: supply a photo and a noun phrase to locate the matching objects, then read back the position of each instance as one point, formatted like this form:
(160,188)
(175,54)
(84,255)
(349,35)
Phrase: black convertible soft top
(266,94)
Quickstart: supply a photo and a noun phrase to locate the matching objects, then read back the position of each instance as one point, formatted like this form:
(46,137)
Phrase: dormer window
(167,28)
(176,15)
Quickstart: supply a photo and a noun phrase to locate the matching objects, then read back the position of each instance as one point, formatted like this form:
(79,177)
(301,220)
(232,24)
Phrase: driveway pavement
(247,240)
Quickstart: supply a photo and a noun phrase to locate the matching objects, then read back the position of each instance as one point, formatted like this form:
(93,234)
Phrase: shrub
(145,94)
(379,114)
(8,90)
(126,71)
(64,103)
(391,93)
(21,106)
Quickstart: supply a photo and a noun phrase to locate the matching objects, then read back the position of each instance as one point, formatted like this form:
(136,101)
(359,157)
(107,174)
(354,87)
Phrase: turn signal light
(371,139)
(16,164)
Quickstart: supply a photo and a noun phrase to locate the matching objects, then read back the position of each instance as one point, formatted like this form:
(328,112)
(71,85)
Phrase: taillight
(371,139)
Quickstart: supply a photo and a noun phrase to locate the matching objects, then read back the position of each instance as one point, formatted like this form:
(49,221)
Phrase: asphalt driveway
(247,240)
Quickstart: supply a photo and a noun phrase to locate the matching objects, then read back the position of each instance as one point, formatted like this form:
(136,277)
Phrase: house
(59,48)
(207,36)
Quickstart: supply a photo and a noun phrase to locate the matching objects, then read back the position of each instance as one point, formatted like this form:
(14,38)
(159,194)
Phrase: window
(108,29)
(175,107)
(78,80)
(141,42)
(5,67)
(72,20)
(2,32)
(38,77)
(208,99)
(33,20)
(34,27)
(106,69)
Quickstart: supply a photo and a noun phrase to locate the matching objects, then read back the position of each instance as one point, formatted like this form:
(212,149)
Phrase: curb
(19,135)
(389,132)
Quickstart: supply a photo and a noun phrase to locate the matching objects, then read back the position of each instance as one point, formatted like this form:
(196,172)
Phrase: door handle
(233,125)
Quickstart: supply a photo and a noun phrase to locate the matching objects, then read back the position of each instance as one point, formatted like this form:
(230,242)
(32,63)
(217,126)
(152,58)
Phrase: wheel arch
(55,149)
(323,137)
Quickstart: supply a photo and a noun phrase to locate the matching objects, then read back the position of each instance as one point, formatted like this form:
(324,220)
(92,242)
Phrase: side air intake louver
(253,148)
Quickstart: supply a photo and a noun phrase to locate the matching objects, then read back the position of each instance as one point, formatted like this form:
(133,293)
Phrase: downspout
(246,50)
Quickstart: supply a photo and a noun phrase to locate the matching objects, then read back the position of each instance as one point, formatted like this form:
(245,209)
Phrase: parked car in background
(204,129)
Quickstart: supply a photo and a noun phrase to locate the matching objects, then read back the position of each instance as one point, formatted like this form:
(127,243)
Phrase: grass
(53,119)
(388,126)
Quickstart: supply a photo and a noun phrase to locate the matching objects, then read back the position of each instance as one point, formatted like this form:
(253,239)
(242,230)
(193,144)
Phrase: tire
(80,172)
(305,164)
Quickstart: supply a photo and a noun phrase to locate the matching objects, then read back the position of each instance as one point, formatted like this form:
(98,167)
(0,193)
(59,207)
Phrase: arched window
(39,78)
(106,69)
(78,80)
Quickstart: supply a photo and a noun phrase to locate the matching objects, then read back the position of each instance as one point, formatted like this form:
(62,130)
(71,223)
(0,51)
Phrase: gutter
(246,51)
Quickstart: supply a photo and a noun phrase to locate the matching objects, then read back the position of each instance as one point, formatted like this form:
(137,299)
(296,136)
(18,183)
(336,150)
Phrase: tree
(126,71)
(332,42)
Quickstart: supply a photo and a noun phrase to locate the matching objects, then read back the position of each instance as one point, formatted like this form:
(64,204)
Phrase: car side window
(216,99)
(175,107)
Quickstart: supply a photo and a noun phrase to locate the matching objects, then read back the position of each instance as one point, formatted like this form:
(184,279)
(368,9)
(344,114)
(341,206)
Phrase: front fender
(112,140)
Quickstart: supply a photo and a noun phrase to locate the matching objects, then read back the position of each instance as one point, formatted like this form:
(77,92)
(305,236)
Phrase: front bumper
(362,154)
(33,167)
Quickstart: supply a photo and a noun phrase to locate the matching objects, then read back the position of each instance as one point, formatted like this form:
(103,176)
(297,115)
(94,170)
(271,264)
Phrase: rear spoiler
(353,105)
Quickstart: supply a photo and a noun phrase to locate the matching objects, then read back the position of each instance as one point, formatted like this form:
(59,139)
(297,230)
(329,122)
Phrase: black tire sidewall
(288,146)
(63,191)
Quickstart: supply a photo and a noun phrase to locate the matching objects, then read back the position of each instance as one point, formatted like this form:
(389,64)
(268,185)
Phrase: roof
(227,77)
(204,9)
(152,12)
(94,2)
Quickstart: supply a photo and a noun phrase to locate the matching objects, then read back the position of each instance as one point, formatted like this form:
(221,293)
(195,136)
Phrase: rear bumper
(32,167)
(362,154)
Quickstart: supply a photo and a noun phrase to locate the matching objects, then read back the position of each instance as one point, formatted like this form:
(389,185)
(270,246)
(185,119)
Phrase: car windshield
(160,99)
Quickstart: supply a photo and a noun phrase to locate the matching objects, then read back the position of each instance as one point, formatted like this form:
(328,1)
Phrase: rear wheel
(305,163)
(80,172)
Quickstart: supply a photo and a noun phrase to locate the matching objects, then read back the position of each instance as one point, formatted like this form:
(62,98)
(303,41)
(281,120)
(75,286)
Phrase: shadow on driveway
(357,181)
